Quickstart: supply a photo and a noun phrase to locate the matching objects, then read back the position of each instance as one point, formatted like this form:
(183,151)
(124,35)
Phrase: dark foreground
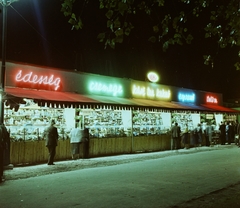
(102,176)
(227,197)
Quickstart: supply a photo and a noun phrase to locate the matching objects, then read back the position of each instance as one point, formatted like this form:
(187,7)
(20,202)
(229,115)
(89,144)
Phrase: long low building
(122,115)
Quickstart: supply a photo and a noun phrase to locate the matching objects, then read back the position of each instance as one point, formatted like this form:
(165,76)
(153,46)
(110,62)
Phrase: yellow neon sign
(140,91)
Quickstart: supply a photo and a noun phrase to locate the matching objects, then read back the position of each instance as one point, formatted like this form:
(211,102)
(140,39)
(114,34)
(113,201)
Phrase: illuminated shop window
(150,123)
(104,123)
(29,122)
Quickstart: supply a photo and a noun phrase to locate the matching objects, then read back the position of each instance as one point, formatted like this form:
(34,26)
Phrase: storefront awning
(53,97)
(143,103)
(218,108)
(67,99)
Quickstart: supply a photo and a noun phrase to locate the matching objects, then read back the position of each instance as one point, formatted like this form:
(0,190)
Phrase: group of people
(192,137)
(50,135)
(186,136)
(77,136)
(229,132)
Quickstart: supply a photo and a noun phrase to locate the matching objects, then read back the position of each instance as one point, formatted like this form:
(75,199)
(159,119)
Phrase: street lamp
(4,3)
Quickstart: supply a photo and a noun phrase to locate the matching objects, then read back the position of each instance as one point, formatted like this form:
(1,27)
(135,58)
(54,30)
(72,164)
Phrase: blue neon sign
(186,97)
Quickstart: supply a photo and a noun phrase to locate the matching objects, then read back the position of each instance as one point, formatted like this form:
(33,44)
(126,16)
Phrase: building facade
(122,115)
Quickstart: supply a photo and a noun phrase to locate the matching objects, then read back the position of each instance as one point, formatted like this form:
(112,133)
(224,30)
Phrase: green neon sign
(111,89)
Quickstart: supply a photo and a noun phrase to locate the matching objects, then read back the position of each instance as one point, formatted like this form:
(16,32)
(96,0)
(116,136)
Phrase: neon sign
(162,93)
(32,78)
(149,92)
(184,97)
(113,89)
(138,90)
(211,99)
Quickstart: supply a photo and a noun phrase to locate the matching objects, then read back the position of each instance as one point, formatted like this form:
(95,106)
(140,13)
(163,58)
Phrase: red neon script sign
(211,99)
(32,78)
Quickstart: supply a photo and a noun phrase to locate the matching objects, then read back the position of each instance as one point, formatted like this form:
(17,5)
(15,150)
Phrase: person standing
(231,132)
(209,132)
(222,129)
(237,134)
(76,136)
(228,132)
(175,136)
(199,135)
(51,136)
(86,141)
(4,135)
(193,137)
(185,137)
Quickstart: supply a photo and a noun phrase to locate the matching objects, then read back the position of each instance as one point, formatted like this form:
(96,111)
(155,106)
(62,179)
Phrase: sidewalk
(70,165)
(221,197)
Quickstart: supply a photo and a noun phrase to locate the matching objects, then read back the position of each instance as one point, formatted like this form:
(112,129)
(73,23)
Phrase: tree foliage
(171,21)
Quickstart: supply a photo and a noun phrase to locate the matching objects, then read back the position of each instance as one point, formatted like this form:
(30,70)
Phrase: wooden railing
(35,152)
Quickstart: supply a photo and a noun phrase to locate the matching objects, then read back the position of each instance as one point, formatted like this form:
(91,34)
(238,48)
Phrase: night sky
(39,34)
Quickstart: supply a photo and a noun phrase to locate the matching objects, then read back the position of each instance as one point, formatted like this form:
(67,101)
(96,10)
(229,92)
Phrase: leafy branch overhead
(168,22)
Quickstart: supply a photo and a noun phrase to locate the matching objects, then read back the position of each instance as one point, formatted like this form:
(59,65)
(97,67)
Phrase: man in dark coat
(51,136)
(175,136)
(4,136)
(222,129)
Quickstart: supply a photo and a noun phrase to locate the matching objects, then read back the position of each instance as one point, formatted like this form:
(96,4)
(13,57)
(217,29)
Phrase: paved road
(154,182)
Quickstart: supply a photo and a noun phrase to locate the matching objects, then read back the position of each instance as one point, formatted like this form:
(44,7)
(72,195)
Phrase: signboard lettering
(113,89)
(211,99)
(150,92)
(186,97)
(32,78)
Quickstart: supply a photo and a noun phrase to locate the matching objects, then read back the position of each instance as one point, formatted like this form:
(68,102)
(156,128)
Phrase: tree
(170,21)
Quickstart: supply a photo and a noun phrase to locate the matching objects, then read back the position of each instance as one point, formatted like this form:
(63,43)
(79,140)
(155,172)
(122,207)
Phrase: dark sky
(38,33)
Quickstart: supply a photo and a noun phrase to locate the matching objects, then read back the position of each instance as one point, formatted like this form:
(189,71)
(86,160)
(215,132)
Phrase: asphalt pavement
(158,179)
